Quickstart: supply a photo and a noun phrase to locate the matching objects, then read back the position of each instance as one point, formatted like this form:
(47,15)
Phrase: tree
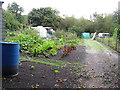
(87,25)
(44,16)
(116,15)
(76,29)
(99,23)
(11,23)
(104,22)
(68,22)
(15,9)
(109,23)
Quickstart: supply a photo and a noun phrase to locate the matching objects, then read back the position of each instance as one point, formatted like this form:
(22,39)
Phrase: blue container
(86,35)
(10,59)
(106,36)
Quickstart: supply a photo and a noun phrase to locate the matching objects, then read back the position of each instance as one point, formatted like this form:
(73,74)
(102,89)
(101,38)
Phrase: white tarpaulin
(42,31)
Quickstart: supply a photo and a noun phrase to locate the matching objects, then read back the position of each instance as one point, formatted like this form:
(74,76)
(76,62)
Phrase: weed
(107,81)
(56,71)
(32,67)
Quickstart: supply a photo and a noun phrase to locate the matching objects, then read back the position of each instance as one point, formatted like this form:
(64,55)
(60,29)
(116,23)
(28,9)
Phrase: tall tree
(109,23)
(15,9)
(68,22)
(115,18)
(44,16)
(99,23)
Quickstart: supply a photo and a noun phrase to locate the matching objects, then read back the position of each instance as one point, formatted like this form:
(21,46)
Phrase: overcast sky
(78,8)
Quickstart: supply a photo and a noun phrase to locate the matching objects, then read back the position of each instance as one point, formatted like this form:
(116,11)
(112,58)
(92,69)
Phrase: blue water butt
(10,59)
(86,35)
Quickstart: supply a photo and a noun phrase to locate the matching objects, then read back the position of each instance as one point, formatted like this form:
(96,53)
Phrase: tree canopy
(44,16)
(15,9)
(50,17)
(99,23)
(11,23)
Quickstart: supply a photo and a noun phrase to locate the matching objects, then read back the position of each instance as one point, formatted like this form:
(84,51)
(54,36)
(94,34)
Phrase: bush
(76,29)
(10,22)
(71,36)
(116,33)
(10,34)
(58,34)
(31,32)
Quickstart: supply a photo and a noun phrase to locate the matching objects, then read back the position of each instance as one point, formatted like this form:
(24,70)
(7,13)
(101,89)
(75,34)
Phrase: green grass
(46,61)
(109,48)
(53,64)
(62,64)
(81,42)
(109,44)
(92,44)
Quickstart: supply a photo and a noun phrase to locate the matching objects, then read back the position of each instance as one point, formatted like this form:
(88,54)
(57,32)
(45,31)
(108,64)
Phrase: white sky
(78,8)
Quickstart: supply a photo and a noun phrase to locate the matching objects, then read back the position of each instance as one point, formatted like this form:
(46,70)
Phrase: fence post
(1,39)
(2,25)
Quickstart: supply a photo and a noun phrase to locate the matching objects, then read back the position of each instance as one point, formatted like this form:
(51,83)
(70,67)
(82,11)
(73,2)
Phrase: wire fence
(114,44)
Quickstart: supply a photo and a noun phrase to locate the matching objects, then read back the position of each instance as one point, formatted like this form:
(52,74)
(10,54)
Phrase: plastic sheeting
(86,35)
(42,31)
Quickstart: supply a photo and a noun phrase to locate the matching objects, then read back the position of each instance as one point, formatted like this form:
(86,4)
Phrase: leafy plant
(67,50)
(47,45)
(30,32)
(53,52)
(56,71)
(32,67)
(58,47)
(10,34)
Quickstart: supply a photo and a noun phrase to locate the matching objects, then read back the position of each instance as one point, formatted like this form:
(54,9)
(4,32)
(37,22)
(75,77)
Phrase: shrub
(53,52)
(71,36)
(10,34)
(10,22)
(58,34)
(31,32)
(58,47)
(76,29)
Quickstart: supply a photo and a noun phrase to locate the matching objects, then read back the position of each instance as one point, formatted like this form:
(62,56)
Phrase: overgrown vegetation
(13,19)
(32,45)
(114,41)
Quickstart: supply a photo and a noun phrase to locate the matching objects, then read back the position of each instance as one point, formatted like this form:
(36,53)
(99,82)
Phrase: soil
(101,71)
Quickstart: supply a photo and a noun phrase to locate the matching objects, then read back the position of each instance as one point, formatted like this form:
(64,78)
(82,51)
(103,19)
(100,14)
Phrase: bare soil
(101,71)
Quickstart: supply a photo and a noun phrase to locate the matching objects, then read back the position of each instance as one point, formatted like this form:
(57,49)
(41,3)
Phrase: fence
(114,44)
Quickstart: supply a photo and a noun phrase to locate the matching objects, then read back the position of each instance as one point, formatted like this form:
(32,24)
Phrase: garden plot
(80,69)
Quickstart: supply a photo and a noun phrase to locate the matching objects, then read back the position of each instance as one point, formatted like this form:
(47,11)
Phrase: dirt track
(102,69)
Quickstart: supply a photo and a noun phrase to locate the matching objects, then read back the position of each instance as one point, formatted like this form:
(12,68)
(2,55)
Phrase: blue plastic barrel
(86,35)
(10,59)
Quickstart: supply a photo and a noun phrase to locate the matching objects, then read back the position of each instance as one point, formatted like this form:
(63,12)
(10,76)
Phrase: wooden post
(1,15)
(119,12)
(2,25)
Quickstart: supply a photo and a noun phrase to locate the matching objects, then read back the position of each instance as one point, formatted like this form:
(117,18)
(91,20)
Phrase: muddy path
(102,67)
